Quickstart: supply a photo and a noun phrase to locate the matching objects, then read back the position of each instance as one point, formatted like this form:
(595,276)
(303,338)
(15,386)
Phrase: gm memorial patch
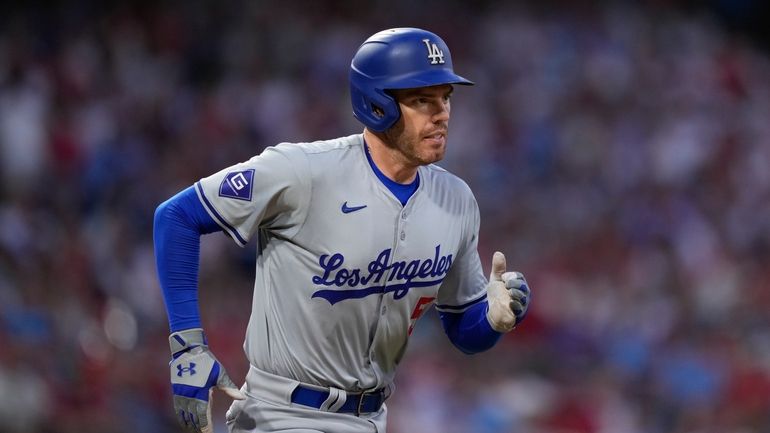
(237,185)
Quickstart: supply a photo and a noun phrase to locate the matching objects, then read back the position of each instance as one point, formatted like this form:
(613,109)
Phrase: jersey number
(422,306)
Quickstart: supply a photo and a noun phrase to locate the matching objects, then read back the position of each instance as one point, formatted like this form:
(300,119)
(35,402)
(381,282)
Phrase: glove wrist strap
(189,338)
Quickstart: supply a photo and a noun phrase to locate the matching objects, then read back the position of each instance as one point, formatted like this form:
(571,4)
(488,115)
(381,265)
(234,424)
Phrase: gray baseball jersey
(344,270)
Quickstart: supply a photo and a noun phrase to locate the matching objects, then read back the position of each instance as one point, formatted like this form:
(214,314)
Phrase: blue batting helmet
(401,58)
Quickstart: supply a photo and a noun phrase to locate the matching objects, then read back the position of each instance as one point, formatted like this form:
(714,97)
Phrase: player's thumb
(226,385)
(498,266)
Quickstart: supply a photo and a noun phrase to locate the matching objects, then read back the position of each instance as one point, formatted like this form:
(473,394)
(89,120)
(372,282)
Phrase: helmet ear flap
(376,109)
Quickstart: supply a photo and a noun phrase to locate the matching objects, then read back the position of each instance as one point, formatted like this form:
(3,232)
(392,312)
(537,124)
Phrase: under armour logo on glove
(182,370)
(190,355)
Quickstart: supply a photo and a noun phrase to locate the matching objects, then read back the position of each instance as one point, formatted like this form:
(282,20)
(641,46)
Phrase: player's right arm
(268,191)
(178,225)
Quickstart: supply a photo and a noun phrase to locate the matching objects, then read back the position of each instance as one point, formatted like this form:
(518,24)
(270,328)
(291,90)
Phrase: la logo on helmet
(435,54)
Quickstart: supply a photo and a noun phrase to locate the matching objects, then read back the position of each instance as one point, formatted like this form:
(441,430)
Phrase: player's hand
(507,295)
(194,374)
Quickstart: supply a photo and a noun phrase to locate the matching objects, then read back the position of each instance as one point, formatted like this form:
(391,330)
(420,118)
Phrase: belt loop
(331,399)
(342,397)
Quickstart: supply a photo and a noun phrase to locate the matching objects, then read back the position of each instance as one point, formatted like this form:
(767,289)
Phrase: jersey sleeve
(465,283)
(270,191)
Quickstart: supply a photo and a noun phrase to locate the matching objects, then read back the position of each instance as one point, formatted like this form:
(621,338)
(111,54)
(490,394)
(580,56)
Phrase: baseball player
(357,237)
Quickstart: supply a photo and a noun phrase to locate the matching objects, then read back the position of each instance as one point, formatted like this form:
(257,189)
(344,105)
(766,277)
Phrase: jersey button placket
(402,233)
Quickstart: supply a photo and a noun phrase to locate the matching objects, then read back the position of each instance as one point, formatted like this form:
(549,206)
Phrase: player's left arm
(480,326)
(470,330)
(496,305)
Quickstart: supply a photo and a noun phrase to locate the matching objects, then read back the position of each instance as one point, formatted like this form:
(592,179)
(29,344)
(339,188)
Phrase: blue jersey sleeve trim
(220,220)
(177,227)
(459,308)
(470,330)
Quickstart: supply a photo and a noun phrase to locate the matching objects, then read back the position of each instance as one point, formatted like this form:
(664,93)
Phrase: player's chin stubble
(408,146)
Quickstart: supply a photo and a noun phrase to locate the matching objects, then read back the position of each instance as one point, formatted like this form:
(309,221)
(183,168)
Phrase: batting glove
(507,295)
(194,373)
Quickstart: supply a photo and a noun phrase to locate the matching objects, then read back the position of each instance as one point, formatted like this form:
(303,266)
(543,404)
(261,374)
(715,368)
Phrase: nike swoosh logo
(348,209)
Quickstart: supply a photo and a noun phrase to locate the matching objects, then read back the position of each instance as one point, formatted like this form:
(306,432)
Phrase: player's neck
(389,160)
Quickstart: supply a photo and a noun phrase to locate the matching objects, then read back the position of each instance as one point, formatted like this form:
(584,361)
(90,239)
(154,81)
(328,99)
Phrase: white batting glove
(194,374)
(507,295)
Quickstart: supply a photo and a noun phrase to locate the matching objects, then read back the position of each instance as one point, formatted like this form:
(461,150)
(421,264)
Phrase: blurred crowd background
(620,154)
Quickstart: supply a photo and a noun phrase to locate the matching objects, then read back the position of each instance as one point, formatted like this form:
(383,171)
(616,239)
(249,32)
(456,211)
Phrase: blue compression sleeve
(470,330)
(179,223)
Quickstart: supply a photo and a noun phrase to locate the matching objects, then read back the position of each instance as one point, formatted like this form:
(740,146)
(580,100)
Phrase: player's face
(420,134)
